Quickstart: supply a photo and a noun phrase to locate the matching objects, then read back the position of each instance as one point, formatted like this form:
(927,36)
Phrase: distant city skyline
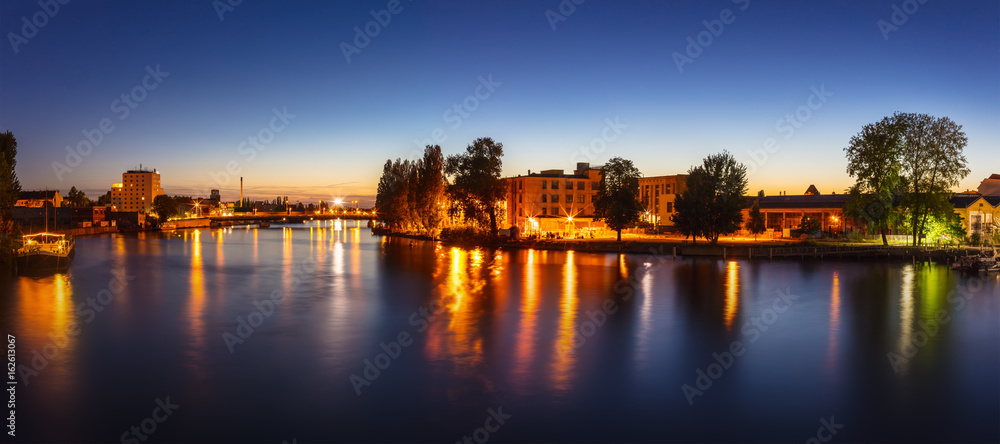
(303,103)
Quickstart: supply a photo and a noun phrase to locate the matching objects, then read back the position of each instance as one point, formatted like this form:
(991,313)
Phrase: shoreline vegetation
(673,247)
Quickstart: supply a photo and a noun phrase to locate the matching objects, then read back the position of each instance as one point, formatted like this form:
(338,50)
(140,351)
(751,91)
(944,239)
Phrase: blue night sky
(557,89)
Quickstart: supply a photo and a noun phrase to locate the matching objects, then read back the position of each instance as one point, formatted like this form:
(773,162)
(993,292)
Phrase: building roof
(995,176)
(963,200)
(26,195)
(807,201)
(812,190)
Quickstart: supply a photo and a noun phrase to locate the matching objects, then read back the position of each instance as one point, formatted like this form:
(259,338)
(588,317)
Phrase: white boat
(168,226)
(45,252)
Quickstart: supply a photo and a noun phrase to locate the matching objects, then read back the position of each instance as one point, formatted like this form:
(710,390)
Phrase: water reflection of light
(732,292)
(460,293)
(255,255)
(525,348)
(645,317)
(196,304)
(834,318)
(45,307)
(906,310)
(564,352)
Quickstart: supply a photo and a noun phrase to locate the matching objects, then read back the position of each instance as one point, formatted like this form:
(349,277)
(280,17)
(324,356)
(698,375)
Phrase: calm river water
(321,332)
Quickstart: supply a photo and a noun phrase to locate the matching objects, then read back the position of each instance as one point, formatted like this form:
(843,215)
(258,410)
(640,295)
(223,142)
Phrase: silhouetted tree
(755,222)
(617,200)
(477,189)
(712,204)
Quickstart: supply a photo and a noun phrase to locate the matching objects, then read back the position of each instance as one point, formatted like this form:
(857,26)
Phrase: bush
(975,238)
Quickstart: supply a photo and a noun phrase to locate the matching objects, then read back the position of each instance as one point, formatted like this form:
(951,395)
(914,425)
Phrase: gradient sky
(607,60)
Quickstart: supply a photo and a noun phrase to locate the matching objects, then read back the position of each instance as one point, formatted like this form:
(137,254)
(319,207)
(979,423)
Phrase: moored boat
(43,252)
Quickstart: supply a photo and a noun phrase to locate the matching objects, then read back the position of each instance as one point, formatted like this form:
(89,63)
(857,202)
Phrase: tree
(874,158)
(932,164)
(477,188)
(430,186)
(104,200)
(756,223)
(809,225)
(712,204)
(10,188)
(77,198)
(617,200)
(164,206)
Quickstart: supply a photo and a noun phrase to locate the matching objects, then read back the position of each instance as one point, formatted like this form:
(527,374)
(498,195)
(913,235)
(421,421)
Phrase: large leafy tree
(874,160)
(430,189)
(164,206)
(77,198)
(10,186)
(712,204)
(755,222)
(617,201)
(932,164)
(905,167)
(477,187)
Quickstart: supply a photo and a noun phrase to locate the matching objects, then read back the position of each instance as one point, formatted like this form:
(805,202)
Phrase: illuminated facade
(552,200)
(136,191)
(657,195)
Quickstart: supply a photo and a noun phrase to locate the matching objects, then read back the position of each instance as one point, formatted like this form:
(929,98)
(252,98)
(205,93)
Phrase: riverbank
(749,250)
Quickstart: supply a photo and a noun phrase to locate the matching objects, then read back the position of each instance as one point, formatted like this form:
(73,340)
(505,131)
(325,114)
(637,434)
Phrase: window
(579,185)
(569,184)
(670,207)
(520,184)
(555,198)
(520,211)
(569,198)
(545,211)
(666,189)
(519,196)
(555,211)
(593,198)
(595,185)
(555,184)
(545,184)
(544,197)
(580,198)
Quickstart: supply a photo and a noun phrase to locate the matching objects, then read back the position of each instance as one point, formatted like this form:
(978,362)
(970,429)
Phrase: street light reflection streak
(525,350)
(732,293)
(906,310)
(196,308)
(564,355)
(834,320)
